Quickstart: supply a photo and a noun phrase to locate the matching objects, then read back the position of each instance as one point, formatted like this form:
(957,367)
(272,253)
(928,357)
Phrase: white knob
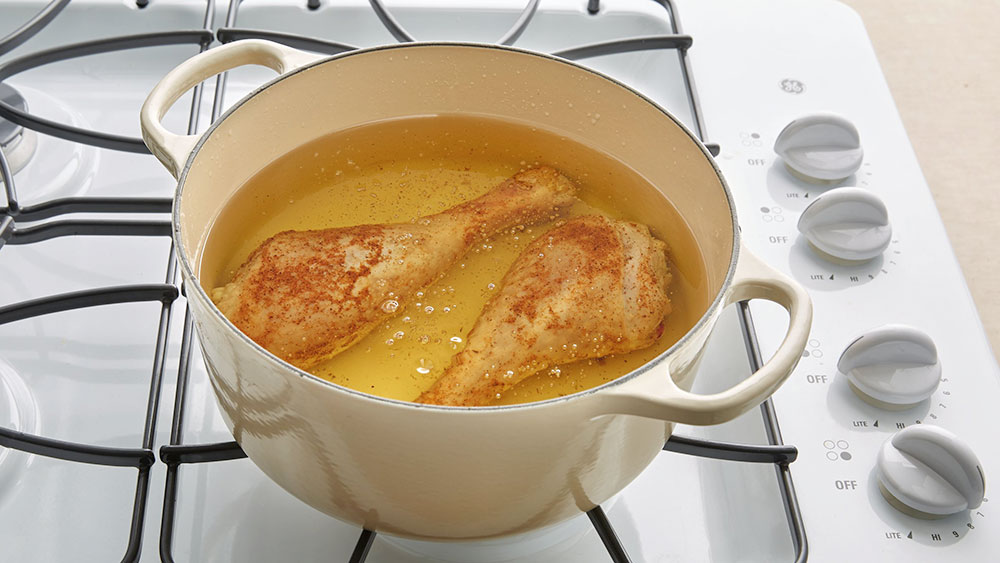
(820,148)
(893,367)
(847,225)
(928,472)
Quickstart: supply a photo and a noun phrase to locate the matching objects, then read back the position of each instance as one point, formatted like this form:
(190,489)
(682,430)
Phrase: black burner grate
(47,221)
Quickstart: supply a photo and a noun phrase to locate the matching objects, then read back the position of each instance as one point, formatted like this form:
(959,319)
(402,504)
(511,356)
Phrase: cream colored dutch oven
(426,471)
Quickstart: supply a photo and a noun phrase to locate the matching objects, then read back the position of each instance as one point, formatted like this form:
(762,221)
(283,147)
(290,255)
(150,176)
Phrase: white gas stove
(111,446)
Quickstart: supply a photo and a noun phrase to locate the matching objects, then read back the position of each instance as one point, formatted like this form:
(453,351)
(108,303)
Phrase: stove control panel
(892,404)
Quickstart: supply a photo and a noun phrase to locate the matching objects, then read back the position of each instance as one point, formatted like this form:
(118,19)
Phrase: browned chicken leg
(587,289)
(307,295)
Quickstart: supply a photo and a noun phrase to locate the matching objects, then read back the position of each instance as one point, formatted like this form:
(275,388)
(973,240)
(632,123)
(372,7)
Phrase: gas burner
(18,144)
(59,168)
(17,412)
(535,545)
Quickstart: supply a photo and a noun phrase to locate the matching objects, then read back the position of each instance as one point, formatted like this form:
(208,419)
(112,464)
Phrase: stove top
(113,447)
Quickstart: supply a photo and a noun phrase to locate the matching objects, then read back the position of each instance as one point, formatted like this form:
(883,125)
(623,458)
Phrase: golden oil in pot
(399,170)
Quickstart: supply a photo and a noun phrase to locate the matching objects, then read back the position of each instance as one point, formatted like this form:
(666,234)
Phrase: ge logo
(792,86)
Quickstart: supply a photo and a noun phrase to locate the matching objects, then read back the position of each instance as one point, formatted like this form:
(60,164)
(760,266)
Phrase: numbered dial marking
(820,148)
(893,367)
(847,225)
(928,472)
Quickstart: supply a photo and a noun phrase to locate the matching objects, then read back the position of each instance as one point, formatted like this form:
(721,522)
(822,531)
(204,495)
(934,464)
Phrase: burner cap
(536,544)
(17,412)
(9,131)
(18,143)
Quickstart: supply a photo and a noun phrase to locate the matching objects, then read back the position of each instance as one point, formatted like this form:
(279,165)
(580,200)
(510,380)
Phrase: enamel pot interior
(411,484)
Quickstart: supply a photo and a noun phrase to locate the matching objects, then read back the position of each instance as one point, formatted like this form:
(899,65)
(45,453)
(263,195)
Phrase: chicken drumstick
(307,295)
(587,289)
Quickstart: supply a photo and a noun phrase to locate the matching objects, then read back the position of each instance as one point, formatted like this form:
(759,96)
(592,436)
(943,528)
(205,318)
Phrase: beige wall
(942,61)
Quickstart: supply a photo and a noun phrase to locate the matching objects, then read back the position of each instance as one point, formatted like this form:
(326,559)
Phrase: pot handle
(656,395)
(173,150)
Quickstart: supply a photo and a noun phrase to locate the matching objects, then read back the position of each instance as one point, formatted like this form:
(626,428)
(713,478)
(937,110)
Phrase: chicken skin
(587,289)
(307,295)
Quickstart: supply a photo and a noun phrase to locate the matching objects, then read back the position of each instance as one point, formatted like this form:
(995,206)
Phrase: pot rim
(188,270)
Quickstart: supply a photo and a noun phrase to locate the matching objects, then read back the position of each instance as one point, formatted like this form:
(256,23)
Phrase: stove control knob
(847,225)
(928,472)
(893,367)
(820,148)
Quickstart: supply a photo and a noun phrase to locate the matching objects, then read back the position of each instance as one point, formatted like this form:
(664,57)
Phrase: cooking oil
(399,170)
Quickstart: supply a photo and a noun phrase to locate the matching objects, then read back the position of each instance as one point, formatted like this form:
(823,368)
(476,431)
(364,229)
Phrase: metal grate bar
(390,22)
(520,25)
(699,121)
(149,428)
(168,516)
(404,36)
(176,434)
(608,536)
(363,546)
(785,485)
(28,30)
(81,453)
(164,293)
(76,134)
(138,516)
(98,46)
(229,34)
(731,452)
(677,41)
(56,229)
(8,183)
(201,453)
(183,369)
(630,45)
(62,206)
(6,229)
(159,357)
(222,78)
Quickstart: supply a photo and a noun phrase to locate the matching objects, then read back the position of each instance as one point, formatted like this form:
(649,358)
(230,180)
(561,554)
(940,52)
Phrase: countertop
(942,62)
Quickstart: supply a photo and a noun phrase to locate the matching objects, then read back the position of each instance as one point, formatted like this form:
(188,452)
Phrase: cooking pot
(434,472)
